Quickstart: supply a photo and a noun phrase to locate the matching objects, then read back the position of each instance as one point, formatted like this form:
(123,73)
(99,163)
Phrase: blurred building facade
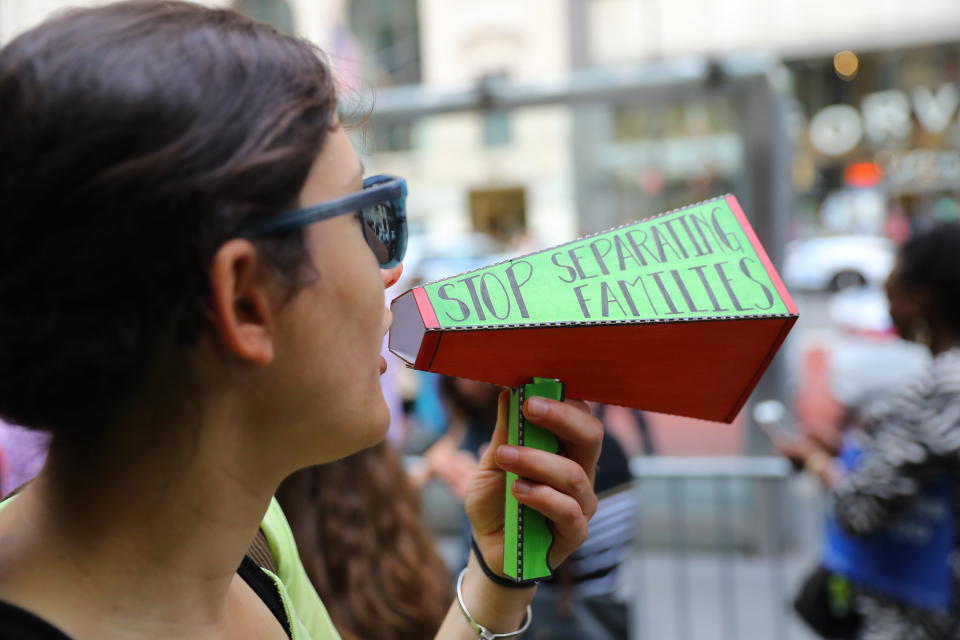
(516,173)
(496,172)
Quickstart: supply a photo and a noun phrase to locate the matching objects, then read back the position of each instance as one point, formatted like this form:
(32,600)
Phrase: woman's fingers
(567,519)
(552,470)
(580,433)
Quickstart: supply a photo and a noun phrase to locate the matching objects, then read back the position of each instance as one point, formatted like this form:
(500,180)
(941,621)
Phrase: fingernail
(520,487)
(537,407)
(507,453)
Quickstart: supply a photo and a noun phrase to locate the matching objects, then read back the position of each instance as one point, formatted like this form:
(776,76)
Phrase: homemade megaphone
(679,313)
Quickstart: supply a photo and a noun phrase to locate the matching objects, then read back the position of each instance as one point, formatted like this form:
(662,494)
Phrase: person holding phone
(894,483)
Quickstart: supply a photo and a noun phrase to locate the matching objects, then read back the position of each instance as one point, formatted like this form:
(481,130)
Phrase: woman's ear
(242,316)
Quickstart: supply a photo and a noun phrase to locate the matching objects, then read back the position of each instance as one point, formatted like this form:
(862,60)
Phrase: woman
(191,302)
(908,452)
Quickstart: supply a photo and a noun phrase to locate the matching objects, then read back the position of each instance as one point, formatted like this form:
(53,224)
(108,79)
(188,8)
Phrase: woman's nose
(391,275)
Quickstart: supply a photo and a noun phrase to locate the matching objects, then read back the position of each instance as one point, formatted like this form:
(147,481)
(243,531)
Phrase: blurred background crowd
(523,124)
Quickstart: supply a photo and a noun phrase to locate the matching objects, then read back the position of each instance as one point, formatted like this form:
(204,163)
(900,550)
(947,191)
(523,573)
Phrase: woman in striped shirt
(909,446)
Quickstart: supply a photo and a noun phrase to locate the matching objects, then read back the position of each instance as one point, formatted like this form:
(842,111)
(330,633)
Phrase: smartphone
(769,415)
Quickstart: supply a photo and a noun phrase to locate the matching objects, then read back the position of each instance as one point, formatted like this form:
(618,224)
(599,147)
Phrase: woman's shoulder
(945,372)
(926,411)
(940,379)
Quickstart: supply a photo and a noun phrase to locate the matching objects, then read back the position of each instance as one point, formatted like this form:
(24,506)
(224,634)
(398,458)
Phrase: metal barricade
(719,548)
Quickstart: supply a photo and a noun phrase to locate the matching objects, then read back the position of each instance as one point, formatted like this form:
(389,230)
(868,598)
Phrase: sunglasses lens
(385,233)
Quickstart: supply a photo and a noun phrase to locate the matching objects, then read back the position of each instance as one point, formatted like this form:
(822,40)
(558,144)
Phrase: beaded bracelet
(499,580)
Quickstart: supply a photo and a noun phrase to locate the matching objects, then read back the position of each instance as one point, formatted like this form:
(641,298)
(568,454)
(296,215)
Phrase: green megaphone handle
(527,537)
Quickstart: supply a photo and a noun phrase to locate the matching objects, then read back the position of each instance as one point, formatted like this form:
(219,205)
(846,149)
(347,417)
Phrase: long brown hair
(359,531)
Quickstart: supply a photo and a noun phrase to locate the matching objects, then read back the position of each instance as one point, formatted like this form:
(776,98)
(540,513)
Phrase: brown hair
(137,137)
(359,531)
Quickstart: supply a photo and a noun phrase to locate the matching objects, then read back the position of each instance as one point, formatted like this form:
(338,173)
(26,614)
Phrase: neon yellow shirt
(308,617)
(306,614)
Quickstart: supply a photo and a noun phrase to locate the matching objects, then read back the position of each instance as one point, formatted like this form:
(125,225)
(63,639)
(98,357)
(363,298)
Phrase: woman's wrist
(822,466)
(500,609)
(816,462)
(501,580)
(483,632)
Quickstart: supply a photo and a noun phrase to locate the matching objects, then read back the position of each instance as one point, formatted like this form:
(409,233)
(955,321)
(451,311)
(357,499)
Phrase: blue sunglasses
(381,207)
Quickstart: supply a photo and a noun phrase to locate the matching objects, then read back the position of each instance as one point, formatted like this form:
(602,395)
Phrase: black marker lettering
(582,300)
(663,243)
(575,259)
(629,298)
(766,292)
(663,291)
(725,238)
(485,294)
(639,279)
(638,245)
(693,239)
(684,292)
(515,285)
(725,279)
(606,297)
(472,289)
(699,225)
(669,225)
(555,259)
(594,247)
(707,287)
(624,253)
(464,309)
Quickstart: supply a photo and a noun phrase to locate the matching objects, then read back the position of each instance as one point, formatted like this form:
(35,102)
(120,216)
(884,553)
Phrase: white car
(837,262)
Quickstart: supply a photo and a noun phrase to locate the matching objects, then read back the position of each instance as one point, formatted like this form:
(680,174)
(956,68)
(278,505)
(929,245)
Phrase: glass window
(273,12)
(389,35)
(496,129)
(393,136)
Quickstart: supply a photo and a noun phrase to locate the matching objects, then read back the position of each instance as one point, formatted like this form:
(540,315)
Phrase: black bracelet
(500,580)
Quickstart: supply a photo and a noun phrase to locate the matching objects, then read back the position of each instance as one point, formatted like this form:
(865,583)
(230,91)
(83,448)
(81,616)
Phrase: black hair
(136,138)
(931,260)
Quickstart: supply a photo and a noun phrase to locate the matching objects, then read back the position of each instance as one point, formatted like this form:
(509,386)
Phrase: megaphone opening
(406,333)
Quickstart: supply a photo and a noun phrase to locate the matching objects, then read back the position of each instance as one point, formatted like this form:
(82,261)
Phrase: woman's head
(924,286)
(137,139)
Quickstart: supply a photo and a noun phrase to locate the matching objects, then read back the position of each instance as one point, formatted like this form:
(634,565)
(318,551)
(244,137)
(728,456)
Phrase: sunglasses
(381,207)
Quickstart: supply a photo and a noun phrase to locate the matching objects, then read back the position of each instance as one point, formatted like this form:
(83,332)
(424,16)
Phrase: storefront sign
(923,170)
(883,117)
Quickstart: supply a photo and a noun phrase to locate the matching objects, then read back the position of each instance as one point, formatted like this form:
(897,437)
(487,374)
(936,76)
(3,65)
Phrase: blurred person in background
(359,531)
(192,272)
(894,482)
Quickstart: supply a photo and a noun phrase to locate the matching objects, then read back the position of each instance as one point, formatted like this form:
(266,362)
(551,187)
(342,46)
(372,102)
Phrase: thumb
(488,460)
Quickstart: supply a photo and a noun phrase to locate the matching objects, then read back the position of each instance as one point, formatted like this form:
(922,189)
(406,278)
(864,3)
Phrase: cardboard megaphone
(680,313)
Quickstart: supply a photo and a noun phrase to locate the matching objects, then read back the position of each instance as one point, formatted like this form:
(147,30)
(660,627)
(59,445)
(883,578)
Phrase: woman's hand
(808,454)
(795,449)
(559,487)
